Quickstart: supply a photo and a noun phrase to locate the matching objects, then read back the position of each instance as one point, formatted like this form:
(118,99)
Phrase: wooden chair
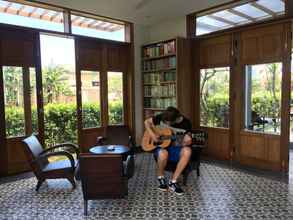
(42,168)
(104,176)
(199,141)
(117,135)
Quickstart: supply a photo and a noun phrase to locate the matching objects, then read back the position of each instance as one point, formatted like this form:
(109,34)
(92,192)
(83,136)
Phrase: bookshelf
(162,77)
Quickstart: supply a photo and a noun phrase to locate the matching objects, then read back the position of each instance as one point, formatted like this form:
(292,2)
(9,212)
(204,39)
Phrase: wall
(168,29)
(141,35)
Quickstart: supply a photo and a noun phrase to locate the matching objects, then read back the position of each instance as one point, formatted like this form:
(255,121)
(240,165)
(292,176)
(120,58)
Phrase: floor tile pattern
(219,193)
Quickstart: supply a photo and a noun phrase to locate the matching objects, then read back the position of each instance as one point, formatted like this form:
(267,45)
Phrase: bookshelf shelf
(159,57)
(168,82)
(154,109)
(158,70)
(166,75)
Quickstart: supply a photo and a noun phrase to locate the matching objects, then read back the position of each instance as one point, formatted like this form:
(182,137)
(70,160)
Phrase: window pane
(236,15)
(33,93)
(90,88)
(115,98)
(14,104)
(251,11)
(30,16)
(214,97)
(97,28)
(277,6)
(59,89)
(263,97)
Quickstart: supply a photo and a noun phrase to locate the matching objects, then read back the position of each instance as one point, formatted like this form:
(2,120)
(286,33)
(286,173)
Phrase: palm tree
(54,83)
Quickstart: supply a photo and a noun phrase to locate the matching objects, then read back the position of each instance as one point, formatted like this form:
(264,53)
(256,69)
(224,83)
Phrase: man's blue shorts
(173,153)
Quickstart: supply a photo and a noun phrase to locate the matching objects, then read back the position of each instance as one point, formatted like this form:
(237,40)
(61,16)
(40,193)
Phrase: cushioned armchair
(104,176)
(199,141)
(44,169)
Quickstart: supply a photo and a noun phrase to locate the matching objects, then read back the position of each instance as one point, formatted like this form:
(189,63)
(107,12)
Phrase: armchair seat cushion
(57,165)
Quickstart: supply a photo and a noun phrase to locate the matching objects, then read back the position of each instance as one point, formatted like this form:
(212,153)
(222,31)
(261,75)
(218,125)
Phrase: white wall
(168,29)
(141,35)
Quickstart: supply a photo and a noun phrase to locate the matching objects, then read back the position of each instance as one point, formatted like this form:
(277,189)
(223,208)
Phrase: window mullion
(27,100)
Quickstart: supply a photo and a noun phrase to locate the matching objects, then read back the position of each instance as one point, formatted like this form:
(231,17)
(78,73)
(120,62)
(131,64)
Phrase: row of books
(159,64)
(156,78)
(159,103)
(160,91)
(169,76)
(159,50)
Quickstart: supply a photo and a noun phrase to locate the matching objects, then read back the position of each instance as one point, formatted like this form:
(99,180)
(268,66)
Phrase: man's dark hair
(170,114)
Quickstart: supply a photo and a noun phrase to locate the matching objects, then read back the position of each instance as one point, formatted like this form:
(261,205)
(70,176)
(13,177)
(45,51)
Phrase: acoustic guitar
(165,138)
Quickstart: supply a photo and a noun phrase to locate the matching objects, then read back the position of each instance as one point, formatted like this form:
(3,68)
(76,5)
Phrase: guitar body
(165,139)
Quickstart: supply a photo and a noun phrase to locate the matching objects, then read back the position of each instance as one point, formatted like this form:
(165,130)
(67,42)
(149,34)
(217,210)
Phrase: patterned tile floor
(219,193)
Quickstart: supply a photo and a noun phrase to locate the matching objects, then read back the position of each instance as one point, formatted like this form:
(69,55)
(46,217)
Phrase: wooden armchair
(119,135)
(199,141)
(104,176)
(43,168)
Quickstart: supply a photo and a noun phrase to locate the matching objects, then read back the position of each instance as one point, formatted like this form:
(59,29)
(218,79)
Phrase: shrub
(61,120)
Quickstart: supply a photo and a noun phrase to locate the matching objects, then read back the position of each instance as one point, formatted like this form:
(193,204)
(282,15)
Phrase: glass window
(263,97)
(214,97)
(115,98)
(31,16)
(59,89)
(14,101)
(91,101)
(98,28)
(236,15)
(33,96)
(251,11)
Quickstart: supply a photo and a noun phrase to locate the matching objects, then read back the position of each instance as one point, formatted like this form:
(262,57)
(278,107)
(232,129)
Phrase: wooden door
(259,146)
(20,109)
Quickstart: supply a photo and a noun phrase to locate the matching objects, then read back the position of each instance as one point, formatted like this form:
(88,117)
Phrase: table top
(106,149)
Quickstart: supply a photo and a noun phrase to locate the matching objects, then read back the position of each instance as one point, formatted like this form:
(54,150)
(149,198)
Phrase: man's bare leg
(184,159)
(162,161)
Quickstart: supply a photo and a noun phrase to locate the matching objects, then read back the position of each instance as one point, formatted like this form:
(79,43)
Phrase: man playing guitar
(176,152)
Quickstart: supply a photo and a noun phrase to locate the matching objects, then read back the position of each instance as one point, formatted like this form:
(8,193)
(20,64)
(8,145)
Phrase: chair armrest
(128,167)
(101,140)
(60,153)
(70,145)
(131,145)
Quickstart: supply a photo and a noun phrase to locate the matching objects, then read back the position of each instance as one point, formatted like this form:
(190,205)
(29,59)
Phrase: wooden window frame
(67,12)
(191,18)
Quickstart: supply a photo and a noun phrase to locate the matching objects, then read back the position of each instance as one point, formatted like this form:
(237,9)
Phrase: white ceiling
(145,12)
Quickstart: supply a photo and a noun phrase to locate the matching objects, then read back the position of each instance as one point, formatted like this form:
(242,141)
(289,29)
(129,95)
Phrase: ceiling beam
(75,19)
(54,16)
(264,9)
(20,9)
(115,27)
(44,14)
(105,24)
(32,12)
(94,24)
(222,20)
(7,6)
(240,14)
(82,21)
(207,26)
